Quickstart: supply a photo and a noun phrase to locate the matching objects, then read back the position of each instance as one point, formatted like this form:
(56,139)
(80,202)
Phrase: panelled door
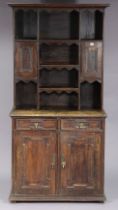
(35,162)
(26,60)
(91,61)
(81,163)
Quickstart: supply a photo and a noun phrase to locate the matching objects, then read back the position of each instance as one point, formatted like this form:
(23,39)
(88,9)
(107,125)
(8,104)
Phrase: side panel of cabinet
(91,60)
(34,162)
(81,163)
(26,60)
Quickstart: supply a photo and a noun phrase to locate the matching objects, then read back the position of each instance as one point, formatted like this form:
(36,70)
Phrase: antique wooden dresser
(58,122)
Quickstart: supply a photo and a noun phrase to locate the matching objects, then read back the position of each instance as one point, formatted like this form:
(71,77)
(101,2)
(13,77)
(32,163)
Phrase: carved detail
(26,60)
(91,61)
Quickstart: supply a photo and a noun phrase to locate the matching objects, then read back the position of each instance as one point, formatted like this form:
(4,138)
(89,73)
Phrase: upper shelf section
(66,24)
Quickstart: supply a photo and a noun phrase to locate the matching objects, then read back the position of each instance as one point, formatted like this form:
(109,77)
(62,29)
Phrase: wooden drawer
(36,124)
(75,124)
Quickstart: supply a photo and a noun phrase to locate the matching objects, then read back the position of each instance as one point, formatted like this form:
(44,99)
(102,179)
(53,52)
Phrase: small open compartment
(59,24)
(90,95)
(91,24)
(26,94)
(25,24)
(59,54)
(59,101)
(58,77)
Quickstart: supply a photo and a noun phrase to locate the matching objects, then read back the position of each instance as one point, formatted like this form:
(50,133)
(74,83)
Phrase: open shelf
(58,77)
(91,24)
(59,101)
(90,95)
(59,54)
(26,24)
(26,95)
(57,24)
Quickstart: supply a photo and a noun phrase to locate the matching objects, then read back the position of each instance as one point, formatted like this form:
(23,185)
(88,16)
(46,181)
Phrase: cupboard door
(34,162)
(26,60)
(91,60)
(81,163)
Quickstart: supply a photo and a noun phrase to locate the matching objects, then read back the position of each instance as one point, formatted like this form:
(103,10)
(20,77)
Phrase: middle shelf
(59,53)
(58,77)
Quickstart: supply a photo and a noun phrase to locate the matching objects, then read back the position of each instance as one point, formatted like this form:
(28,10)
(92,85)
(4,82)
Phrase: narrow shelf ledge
(59,41)
(67,66)
(59,90)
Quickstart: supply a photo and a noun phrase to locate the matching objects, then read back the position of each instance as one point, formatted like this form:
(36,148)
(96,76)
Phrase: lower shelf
(35,198)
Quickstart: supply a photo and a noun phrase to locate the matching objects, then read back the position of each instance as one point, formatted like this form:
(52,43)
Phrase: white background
(110,106)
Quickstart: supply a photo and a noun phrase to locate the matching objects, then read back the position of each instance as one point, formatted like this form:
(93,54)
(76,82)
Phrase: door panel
(81,163)
(35,154)
(91,61)
(26,60)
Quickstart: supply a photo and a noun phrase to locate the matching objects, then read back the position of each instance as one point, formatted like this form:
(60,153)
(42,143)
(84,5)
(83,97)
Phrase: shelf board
(26,40)
(17,80)
(59,66)
(90,79)
(59,41)
(59,90)
(57,108)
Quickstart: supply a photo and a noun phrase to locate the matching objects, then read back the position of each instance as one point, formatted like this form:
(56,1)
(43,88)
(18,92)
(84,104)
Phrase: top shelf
(59,25)
(59,5)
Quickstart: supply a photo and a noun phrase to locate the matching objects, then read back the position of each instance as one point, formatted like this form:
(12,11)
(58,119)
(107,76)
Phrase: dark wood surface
(81,166)
(91,61)
(26,60)
(58,157)
(58,124)
(34,153)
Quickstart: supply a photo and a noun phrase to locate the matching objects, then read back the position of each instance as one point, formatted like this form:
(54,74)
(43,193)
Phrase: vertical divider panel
(102,84)
(38,64)
(58,156)
(14,43)
(79,65)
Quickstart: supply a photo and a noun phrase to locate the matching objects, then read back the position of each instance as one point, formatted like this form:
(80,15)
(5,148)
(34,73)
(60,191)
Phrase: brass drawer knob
(82,125)
(36,125)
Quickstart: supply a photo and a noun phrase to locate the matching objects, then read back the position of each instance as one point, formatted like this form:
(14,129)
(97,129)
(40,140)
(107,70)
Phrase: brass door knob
(53,161)
(63,162)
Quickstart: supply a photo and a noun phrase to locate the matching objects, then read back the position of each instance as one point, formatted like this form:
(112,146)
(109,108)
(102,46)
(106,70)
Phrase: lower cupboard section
(57,165)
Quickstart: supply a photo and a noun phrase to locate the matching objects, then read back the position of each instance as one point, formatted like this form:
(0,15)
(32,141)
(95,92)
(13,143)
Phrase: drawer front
(75,124)
(36,124)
